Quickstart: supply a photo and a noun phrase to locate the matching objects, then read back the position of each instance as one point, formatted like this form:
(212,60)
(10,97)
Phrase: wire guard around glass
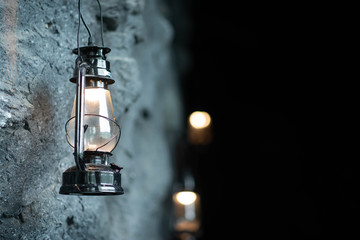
(95,148)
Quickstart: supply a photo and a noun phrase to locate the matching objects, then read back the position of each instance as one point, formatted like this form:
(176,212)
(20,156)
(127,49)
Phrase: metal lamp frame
(93,174)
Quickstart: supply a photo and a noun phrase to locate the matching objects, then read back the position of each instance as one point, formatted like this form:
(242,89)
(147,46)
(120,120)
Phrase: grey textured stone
(36,39)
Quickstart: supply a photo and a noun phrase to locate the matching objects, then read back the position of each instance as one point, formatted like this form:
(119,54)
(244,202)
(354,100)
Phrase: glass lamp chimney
(100,130)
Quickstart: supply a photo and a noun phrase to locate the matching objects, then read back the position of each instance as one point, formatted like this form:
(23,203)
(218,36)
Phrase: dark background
(280,162)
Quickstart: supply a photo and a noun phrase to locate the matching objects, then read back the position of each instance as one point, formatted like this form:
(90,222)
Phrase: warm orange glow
(186,197)
(199,119)
(100,130)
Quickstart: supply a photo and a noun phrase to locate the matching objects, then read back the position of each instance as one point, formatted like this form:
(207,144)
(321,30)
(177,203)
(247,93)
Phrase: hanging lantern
(186,203)
(91,130)
(200,128)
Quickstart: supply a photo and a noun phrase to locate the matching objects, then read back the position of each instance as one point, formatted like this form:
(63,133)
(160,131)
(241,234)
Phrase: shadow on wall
(25,154)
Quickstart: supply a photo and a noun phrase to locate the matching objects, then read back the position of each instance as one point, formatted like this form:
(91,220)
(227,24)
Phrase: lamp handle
(79,116)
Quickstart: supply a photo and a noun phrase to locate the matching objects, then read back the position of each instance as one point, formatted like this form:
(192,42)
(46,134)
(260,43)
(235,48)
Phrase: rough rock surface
(36,39)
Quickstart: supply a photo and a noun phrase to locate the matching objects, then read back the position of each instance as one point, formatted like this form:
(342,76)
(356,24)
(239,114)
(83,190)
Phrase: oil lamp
(200,128)
(186,203)
(91,130)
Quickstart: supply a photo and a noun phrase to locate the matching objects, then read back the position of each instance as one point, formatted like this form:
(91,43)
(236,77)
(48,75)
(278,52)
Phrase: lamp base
(97,179)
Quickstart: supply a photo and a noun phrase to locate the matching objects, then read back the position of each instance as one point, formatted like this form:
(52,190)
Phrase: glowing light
(99,129)
(200,119)
(186,197)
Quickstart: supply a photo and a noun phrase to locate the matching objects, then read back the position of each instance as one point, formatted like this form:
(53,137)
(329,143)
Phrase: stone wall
(36,97)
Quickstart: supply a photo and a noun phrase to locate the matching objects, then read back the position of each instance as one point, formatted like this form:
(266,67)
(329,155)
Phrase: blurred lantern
(186,209)
(92,130)
(199,128)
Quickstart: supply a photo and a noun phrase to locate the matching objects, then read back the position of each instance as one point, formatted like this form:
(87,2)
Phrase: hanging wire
(87,29)
(78,31)
(102,24)
(90,42)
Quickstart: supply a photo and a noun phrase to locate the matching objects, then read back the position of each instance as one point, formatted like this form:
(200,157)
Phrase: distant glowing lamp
(199,128)
(186,197)
(187,212)
(199,119)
